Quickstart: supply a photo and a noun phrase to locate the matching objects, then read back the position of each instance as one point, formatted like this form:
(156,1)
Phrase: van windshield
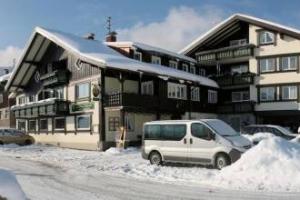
(222,128)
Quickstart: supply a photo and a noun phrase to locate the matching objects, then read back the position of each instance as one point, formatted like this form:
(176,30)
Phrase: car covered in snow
(259,132)
(205,141)
(14,136)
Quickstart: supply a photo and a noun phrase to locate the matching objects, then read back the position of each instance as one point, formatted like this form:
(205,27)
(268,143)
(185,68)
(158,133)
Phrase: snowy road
(44,180)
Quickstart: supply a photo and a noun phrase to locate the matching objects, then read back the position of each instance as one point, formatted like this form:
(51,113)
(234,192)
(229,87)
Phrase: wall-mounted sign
(81,64)
(77,107)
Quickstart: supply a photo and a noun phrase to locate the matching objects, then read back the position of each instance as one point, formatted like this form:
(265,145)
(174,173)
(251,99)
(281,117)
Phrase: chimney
(111,37)
(90,36)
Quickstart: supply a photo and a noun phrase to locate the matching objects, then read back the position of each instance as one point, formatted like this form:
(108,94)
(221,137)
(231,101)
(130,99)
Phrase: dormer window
(185,67)
(137,55)
(155,60)
(173,64)
(266,37)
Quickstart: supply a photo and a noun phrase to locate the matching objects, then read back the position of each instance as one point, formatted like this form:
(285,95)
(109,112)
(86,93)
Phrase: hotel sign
(77,107)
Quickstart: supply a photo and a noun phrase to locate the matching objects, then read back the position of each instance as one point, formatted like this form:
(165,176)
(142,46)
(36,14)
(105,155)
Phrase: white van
(205,141)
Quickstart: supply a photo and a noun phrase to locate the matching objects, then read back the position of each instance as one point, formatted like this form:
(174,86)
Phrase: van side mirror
(211,136)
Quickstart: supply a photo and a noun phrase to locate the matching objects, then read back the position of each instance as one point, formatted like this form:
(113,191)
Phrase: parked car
(206,141)
(263,130)
(10,135)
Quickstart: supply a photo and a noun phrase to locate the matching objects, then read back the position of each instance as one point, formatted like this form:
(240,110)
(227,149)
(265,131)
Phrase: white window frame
(59,129)
(29,125)
(176,91)
(262,37)
(149,88)
(86,128)
(77,91)
(289,97)
(212,96)
(156,60)
(139,55)
(288,67)
(173,64)
(195,93)
(19,97)
(267,91)
(193,69)
(185,67)
(269,67)
(241,95)
(62,90)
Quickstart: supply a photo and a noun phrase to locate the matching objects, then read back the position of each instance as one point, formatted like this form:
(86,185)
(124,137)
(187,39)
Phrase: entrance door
(174,143)
(201,145)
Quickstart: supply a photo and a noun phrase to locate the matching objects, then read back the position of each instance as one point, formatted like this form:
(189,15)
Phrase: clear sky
(150,21)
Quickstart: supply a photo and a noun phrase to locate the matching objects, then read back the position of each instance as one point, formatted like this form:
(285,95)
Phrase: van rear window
(165,132)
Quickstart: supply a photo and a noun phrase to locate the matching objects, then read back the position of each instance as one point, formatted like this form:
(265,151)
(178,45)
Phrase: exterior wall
(277,106)
(237,121)
(196,115)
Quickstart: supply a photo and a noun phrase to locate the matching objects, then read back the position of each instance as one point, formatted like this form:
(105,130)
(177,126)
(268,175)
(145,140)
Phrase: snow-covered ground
(270,167)
(9,186)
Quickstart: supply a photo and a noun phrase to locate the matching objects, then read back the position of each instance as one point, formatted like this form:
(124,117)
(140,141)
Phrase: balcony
(236,107)
(57,77)
(225,53)
(49,107)
(235,80)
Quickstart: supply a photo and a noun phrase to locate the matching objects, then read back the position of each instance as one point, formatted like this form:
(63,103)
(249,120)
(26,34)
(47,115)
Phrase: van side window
(173,132)
(200,131)
(152,132)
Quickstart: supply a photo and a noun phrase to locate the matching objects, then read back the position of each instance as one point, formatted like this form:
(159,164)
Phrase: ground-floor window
(289,92)
(129,122)
(59,123)
(32,125)
(83,122)
(21,124)
(113,123)
(43,124)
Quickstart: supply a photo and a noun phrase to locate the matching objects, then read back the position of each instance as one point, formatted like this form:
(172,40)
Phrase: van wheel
(1,143)
(28,142)
(155,158)
(221,161)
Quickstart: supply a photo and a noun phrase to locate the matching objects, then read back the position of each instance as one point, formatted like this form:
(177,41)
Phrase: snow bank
(257,137)
(273,164)
(9,187)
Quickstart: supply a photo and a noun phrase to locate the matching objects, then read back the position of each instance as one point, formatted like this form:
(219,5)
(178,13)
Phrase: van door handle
(184,141)
(191,141)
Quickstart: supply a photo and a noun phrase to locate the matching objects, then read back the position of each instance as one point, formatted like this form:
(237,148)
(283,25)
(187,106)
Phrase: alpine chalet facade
(256,64)
(80,93)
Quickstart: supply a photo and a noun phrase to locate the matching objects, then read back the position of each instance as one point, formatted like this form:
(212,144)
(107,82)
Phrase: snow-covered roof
(92,51)
(241,17)
(5,77)
(150,48)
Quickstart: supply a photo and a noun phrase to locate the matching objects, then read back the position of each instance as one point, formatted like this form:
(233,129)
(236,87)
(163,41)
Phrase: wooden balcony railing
(225,53)
(236,107)
(54,78)
(237,79)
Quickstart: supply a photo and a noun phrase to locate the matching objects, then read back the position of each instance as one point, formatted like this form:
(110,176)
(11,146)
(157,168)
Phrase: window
(193,69)
(239,69)
(173,132)
(212,96)
(202,72)
(195,93)
(155,60)
(83,90)
(238,42)
(44,94)
(32,125)
(289,63)
(267,94)
(1,98)
(152,132)
(129,122)
(32,98)
(240,96)
(113,123)
(185,67)
(173,64)
(58,93)
(266,37)
(289,92)
(137,55)
(6,114)
(147,88)
(267,64)
(83,122)
(176,91)
(43,124)
(59,123)
(21,124)
(21,100)
(200,131)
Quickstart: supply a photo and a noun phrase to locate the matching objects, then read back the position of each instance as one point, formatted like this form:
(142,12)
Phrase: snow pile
(274,164)
(9,187)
